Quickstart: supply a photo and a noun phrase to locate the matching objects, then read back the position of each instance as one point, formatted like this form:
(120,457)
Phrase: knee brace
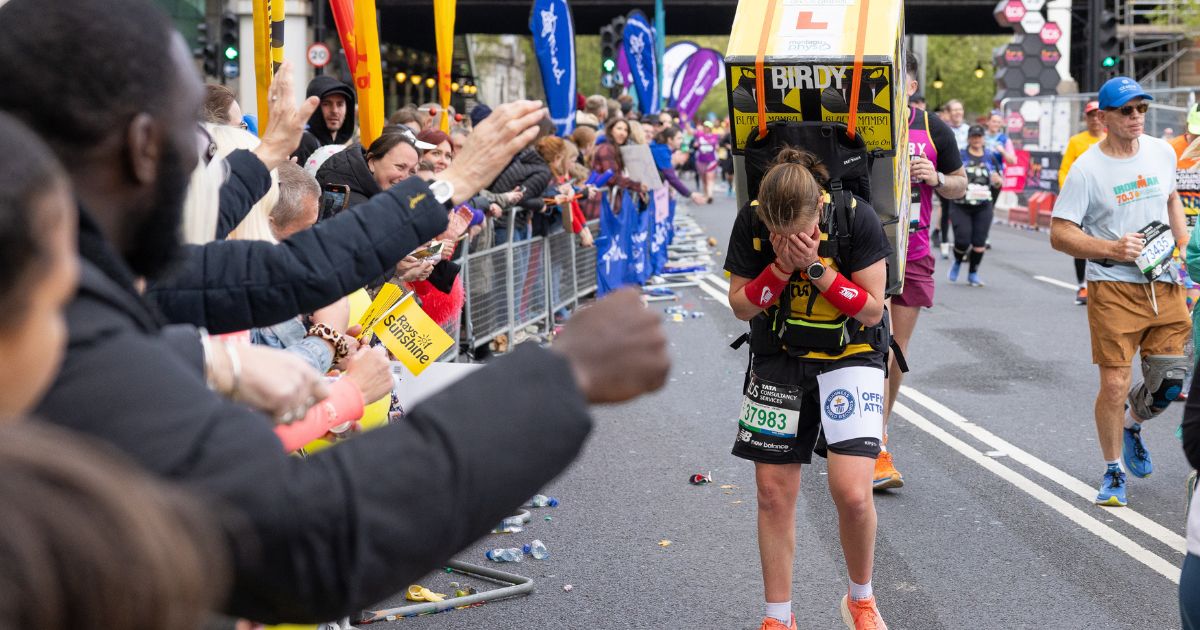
(1162,383)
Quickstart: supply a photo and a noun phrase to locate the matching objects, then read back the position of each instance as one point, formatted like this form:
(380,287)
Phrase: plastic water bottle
(537,549)
(512,554)
(541,500)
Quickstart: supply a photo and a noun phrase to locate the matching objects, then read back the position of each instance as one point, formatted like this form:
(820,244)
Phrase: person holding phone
(1120,210)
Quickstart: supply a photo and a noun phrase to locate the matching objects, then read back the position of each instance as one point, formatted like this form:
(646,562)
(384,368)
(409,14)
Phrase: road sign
(1014,121)
(231,69)
(319,55)
(1031,111)
(1051,33)
(1032,23)
(1008,12)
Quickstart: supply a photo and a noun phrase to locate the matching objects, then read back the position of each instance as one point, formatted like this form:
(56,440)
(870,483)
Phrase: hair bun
(807,159)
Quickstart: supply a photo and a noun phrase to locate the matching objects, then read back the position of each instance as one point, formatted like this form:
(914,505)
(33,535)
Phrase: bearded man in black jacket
(350,525)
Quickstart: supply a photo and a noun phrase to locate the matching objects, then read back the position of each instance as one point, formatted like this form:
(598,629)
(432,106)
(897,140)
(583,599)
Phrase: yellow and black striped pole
(268,52)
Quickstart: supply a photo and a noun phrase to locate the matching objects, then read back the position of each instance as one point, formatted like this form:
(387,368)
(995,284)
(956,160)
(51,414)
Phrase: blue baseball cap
(1120,90)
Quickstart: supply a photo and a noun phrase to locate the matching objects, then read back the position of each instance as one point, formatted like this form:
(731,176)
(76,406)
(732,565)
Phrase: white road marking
(1057,283)
(1076,515)
(718,280)
(718,295)
(1075,486)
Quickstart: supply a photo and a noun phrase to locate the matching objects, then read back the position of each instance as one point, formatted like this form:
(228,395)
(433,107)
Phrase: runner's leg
(1110,409)
(850,487)
(778,489)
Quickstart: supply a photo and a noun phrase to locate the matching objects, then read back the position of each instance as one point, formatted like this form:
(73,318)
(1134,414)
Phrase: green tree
(955,59)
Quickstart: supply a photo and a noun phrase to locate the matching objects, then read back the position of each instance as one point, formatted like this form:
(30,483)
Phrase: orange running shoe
(862,614)
(771,623)
(886,475)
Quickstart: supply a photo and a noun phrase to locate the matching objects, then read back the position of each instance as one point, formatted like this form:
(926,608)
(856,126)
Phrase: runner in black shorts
(818,384)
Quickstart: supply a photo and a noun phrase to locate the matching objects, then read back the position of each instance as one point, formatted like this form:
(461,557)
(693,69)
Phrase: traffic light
(608,49)
(206,51)
(1108,48)
(229,37)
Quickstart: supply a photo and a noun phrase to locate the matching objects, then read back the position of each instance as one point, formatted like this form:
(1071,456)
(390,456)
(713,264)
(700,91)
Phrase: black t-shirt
(949,159)
(750,252)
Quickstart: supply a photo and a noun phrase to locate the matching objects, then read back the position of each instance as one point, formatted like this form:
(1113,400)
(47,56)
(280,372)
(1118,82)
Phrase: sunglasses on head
(1127,110)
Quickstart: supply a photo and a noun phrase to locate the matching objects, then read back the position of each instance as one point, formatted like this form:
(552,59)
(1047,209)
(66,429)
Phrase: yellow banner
(262,59)
(821,89)
(443,27)
(368,73)
(412,337)
(276,33)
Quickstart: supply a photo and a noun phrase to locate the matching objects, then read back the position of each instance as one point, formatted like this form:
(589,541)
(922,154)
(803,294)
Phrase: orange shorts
(1121,317)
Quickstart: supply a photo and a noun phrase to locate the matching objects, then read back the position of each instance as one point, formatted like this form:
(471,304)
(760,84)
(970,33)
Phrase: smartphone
(432,250)
(334,199)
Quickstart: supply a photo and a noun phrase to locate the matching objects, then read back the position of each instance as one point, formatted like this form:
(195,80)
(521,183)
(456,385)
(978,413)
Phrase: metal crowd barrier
(516,284)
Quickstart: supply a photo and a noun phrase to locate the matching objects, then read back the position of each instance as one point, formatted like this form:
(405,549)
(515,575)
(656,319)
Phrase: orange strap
(860,43)
(760,72)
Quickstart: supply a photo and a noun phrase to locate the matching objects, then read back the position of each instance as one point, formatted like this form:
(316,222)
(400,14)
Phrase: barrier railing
(514,284)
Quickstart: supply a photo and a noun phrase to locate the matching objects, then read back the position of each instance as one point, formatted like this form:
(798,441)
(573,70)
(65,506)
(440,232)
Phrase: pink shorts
(918,284)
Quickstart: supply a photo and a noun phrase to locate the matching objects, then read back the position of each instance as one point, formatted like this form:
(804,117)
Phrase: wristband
(845,296)
(765,289)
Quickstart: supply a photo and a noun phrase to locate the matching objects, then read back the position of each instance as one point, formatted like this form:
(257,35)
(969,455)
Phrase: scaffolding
(1154,39)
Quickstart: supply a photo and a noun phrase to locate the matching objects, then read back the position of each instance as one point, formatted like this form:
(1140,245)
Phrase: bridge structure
(684,17)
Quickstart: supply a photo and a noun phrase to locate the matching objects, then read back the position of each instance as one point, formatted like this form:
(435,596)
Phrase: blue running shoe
(973,278)
(1112,488)
(1137,458)
(954,271)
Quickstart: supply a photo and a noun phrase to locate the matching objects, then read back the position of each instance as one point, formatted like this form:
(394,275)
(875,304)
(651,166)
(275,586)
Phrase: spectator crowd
(184,366)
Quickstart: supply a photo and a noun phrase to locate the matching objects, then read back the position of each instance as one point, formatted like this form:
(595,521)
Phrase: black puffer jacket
(228,286)
(349,168)
(529,171)
(322,537)
(318,135)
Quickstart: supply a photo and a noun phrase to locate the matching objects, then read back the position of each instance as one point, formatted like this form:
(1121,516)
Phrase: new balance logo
(848,293)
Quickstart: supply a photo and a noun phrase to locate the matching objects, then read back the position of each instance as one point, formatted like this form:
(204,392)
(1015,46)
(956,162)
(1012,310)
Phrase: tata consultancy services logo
(839,405)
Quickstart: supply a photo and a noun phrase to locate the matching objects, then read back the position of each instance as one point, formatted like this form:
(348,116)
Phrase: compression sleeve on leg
(846,296)
(763,290)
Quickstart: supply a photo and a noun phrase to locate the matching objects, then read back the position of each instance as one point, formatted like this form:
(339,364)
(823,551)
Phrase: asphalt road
(993,529)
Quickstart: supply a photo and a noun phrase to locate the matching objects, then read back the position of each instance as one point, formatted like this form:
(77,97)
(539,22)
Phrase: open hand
(491,146)
(285,121)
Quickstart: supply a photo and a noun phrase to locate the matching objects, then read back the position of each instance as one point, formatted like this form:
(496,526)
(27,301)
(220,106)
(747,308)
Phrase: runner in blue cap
(1119,209)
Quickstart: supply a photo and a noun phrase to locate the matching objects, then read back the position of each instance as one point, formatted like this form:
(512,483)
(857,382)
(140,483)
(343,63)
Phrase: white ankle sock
(860,591)
(1115,462)
(781,611)
(1130,421)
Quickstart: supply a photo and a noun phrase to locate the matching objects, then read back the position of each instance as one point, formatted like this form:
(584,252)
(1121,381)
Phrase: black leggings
(971,225)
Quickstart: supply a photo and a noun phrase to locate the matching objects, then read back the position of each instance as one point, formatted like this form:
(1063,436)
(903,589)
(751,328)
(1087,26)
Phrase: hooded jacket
(323,537)
(349,168)
(318,135)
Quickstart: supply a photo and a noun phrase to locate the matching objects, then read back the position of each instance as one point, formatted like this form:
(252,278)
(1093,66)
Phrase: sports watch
(815,270)
(442,190)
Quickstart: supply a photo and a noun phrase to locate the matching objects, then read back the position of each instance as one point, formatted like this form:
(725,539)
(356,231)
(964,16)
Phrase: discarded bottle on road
(541,500)
(510,525)
(512,554)
(537,549)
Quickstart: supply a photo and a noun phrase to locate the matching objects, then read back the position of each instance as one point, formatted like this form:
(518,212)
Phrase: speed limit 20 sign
(318,55)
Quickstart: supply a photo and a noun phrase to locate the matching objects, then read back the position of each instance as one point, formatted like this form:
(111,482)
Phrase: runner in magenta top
(935,165)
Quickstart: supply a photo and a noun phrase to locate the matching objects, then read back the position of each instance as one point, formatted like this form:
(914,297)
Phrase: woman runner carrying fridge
(815,381)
